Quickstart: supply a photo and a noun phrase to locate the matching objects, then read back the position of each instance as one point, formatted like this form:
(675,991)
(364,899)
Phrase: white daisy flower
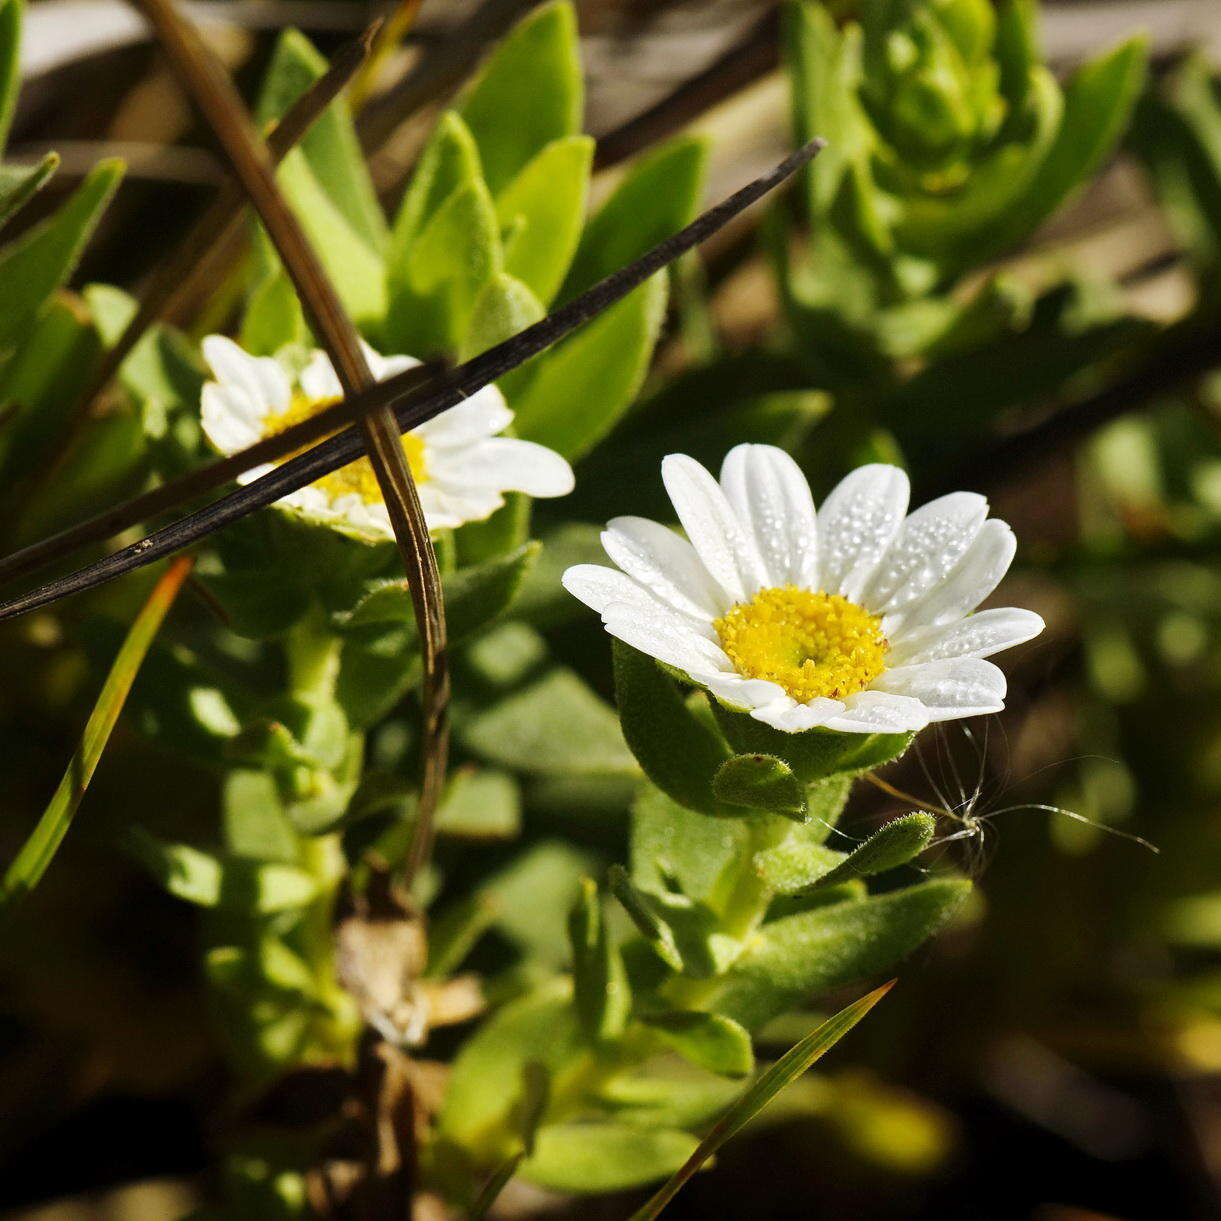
(461,467)
(856,618)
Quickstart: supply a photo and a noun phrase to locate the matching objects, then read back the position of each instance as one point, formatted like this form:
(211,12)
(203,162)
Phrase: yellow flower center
(812,644)
(357,476)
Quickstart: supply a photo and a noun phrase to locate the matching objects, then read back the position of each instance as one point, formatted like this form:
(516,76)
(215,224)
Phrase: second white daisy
(462,467)
(855,619)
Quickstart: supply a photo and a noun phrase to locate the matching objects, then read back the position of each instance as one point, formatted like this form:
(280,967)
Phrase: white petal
(666,565)
(228,420)
(974,577)
(383,367)
(669,638)
(728,553)
(798,718)
(879,712)
(482,415)
(447,506)
(749,693)
(856,524)
(929,543)
(600,588)
(319,380)
(955,687)
(772,499)
(506,464)
(978,635)
(258,380)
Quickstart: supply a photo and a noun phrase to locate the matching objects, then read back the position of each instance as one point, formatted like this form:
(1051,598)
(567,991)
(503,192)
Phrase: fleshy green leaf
(708,1040)
(446,269)
(550,722)
(11,12)
(678,752)
(161,369)
(1098,102)
(473,596)
(41,383)
(486,1079)
(542,881)
(504,307)
(761,782)
(644,916)
(546,203)
(330,147)
(241,883)
(891,845)
(19,183)
(44,257)
(600,988)
(273,317)
(255,824)
(528,93)
(669,841)
(449,161)
(828,947)
(658,195)
(600,1156)
(812,755)
(571,398)
(786,1070)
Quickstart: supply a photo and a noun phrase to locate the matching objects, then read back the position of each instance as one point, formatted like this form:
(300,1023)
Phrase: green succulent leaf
(571,397)
(598,1156)
(486,1080)
(504,307)
(790,958)
(273,318)
(528,93)
(659,194)
(544,209)
(20,183)
(240,883)
(547,721)
(449,162)
(38,262)
(601,993)
(761,782)
(644,916)
(327,182)
(11,13)
(891,845)
(678,752)
(708,1040)
(812,755)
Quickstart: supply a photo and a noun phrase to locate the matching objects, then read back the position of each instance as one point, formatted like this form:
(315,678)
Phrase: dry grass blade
(31,863)
(787,1069)
(413,406)
(217,99)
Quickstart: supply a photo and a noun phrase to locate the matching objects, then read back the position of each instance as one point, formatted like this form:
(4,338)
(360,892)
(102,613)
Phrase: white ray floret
(856,617)
(462,468)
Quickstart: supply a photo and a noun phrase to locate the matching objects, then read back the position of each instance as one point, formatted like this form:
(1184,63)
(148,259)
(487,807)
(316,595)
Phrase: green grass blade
(787,1069)
(32,861)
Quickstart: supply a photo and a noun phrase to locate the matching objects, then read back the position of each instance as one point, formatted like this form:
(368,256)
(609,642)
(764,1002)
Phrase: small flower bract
(462,468)
(857,618)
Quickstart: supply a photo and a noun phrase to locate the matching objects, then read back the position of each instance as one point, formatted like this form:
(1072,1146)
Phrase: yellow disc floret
(812,644)
(357,477)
